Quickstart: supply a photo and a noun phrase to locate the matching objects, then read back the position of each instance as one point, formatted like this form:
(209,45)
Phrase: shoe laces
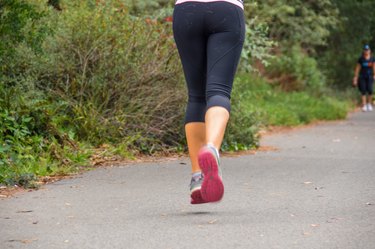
(197,178)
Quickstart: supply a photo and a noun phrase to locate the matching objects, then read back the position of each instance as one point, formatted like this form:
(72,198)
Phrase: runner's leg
(191,44)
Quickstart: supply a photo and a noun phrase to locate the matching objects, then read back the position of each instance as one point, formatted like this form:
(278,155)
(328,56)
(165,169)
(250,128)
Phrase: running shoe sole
(196,197)
(212,187)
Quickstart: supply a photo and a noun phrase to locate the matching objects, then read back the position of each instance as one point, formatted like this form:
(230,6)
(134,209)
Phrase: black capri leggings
(209,38)
(366,84)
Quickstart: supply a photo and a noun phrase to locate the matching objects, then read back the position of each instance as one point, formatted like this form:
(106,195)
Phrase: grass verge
(256,104)
(274,107)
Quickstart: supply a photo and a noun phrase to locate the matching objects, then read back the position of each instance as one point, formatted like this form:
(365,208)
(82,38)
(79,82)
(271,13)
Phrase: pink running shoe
(195,190)
(212,189)
(196,198)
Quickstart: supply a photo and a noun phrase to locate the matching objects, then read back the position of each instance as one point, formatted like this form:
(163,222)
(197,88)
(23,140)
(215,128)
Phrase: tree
(357,27)
(18,25)
(291,22)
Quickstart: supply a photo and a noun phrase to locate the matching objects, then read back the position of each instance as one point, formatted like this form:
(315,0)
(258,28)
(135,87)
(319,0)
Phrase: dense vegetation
(84,79)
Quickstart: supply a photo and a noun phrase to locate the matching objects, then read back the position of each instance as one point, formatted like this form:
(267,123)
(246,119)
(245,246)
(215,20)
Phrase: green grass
(279,108)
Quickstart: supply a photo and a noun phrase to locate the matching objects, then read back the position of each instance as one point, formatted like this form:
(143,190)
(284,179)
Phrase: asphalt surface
(316,191)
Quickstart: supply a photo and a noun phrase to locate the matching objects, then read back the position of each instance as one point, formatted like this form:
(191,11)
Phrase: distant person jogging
(209,35)
(364,77)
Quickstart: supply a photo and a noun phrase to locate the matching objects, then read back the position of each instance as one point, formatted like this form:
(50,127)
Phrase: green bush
(270,105)
(21,139)
(118,75)
(30,143)
(257,46)
(140,7)
(101,76)
(295,70)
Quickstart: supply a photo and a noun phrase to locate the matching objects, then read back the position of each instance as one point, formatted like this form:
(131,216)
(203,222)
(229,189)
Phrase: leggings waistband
(239,3)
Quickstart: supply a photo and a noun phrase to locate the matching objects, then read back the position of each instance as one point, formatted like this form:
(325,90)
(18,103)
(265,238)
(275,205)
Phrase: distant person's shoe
(364,108)
(369,107)
(212,187)
(195,189)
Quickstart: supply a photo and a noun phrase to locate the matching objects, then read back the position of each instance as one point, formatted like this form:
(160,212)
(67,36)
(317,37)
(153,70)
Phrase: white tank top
(239,3)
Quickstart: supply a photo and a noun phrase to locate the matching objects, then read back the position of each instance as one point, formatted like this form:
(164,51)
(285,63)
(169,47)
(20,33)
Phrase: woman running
(209,35)
(365,70)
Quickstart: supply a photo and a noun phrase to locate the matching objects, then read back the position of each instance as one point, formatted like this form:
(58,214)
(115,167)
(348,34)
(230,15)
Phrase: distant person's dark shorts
(366,84)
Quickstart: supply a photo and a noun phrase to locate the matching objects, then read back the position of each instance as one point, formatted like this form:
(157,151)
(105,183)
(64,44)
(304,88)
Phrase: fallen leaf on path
(369,204)
(24,211)
(315,225)
(24,241)
(307,183)
(212,222)
(267,148)
(28,241)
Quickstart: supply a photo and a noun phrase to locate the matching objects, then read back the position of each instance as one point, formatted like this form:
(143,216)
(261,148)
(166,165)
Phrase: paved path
(316,191)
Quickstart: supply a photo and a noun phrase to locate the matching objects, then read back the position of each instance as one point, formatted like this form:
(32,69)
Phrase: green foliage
(271,106)
(257,104)
(257,45)
(19,23)
(116,75)
(356,28)
(294,30)
(295,70)
(297,22)
(102,76)
(30,143)
(21,32)
(242,130)
(147,6)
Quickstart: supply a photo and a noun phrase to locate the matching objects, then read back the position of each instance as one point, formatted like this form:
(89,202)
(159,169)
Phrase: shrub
(269,105)
(257,46)
(117,74)
(295,70)
(101,76)
(21,138)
